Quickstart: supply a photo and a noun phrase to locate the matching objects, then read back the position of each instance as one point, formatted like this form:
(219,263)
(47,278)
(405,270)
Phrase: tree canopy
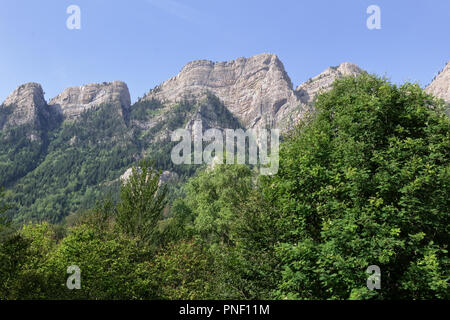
(364,181)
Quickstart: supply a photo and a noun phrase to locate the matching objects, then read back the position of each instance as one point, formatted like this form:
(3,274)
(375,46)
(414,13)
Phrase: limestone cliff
(308,90)
(256,90)
(440,86)
(24,106)
(75,100)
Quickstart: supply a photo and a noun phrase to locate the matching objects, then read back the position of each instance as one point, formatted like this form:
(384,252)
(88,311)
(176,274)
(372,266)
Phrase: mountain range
(62,156)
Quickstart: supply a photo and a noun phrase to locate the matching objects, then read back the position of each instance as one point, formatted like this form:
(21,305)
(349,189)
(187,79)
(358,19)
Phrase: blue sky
(144,42)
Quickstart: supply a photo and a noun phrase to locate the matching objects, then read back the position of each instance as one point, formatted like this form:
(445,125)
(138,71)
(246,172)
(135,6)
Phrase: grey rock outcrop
(127,174)
(75,100)
(24,106)
(308,90)
(166,176)
(440,86)
(256,90)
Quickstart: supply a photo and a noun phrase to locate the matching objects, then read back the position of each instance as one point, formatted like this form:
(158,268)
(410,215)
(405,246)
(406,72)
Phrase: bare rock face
(75,100)
(166,176)
(25,105)
(440,86)
(127,174)
(256,90)
(308,90)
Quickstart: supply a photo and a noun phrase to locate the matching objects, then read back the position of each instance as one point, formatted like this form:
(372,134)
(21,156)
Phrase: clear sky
(144,42)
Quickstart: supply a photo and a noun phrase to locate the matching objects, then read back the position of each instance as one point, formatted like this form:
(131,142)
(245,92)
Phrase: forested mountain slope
(62,156)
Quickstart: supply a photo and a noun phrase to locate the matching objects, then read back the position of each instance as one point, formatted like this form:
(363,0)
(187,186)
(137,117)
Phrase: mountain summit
(308,90)
(24,106)
(257,90)
(440,86)
(75,100)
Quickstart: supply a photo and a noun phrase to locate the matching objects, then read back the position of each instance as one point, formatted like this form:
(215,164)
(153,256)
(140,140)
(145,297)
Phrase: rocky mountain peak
(25,105)
(440,86)
(254,89)
(308,90)
(75,100)
(348,69)
(28,93)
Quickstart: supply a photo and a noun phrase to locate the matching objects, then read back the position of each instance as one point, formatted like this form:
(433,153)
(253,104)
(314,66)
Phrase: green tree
(209,211)
(13,255)
(249,268)
(4,222)
(213,198)
(142,201)
(112,265)
(365,182)
(183,270)
(24,270)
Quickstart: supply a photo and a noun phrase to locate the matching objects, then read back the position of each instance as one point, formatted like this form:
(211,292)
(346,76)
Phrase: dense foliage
(69,166)
(365,181)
